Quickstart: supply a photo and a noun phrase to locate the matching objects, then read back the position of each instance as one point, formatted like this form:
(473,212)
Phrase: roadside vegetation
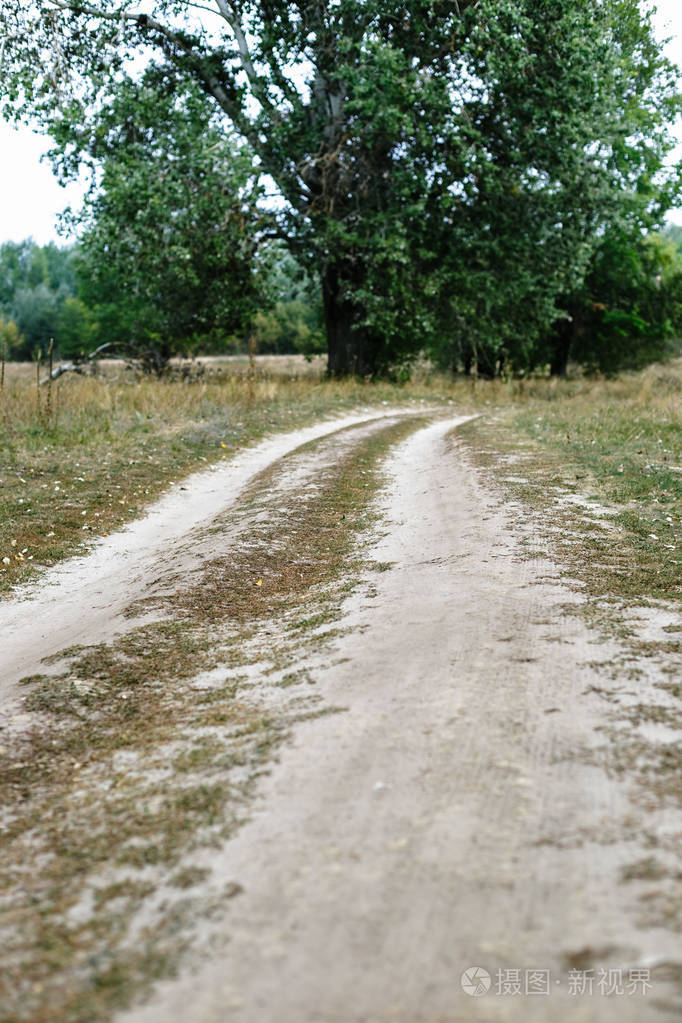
(89,456)
(142,754)
(601,460)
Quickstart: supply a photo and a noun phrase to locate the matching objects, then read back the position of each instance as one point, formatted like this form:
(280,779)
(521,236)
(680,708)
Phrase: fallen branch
(76,365)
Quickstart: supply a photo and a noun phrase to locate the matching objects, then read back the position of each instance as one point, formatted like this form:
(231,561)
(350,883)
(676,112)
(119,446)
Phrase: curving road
(451,848)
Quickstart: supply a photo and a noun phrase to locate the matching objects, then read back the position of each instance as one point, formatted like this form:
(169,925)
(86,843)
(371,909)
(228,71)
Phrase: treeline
(38,297)
(478,182)
(51,293)
(624,314)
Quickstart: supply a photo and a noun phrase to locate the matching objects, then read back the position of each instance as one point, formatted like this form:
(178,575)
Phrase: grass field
(80,461)
(602,464)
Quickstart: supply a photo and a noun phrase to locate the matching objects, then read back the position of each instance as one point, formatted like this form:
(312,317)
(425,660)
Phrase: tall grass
(110,443)
(105,446)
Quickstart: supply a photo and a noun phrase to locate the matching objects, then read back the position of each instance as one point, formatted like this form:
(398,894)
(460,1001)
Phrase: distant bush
(288,327)
(11,340)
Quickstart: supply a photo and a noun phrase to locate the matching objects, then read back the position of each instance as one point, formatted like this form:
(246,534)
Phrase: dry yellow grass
(109,444)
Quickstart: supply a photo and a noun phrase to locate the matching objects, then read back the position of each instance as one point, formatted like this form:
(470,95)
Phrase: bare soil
(476,802)
(83,601)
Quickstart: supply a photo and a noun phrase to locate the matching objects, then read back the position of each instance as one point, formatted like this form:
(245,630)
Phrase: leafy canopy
(445,167)
(170,233)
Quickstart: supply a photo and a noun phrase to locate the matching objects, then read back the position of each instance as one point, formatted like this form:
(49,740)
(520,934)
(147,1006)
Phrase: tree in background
(673,233)
(76,329)
(11,340)
(625,309)
(170,232)
(444,169)
(35,282)
(35,311)
(292,320)
(628,310)
(40,288)
(539,219)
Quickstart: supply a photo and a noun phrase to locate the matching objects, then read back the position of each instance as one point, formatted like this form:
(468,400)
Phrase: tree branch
(230,16)
(230,104)
(143,20)
(203,68)
(202,7)
(228,12)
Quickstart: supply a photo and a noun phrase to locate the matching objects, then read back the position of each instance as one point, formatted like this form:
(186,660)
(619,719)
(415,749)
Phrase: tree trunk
(486,362)
(353,349)
(561,347)
(467,359)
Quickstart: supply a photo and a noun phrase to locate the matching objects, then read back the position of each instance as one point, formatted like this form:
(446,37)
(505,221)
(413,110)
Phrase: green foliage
(673,234)
(169,240)
(287,327)
(35,283)
(571,156)
(22,265)
(35,311)
(629,309)
(445,171)
(11,340)
(292,319)
(76,328)
(26,265)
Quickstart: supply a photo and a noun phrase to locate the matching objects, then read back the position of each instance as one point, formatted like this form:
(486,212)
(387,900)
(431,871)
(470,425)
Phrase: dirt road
(82,600)
(459,814)
(452,845)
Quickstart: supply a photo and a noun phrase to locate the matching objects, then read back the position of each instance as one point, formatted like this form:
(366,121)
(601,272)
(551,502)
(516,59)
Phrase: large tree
(444,166)
(556,181)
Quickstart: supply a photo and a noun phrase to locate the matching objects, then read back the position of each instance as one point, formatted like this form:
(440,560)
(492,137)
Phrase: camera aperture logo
(475,981)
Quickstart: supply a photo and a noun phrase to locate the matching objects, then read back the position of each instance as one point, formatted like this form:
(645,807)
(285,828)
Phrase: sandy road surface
(81,600)
(458,814)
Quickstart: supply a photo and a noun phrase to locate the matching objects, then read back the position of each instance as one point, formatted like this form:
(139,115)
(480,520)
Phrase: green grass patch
(602,464)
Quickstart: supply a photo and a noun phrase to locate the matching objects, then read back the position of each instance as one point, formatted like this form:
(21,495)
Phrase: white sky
(31,198)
